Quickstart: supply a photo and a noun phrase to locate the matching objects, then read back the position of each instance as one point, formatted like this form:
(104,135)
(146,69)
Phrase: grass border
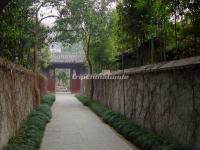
(30,135)
(143,138)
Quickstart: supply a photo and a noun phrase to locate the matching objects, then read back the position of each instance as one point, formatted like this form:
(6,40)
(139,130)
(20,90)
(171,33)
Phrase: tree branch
(37,11)
(39,7)
(84,30)
(51,16)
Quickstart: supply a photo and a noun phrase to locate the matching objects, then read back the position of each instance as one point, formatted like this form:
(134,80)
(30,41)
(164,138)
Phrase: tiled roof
(68,57)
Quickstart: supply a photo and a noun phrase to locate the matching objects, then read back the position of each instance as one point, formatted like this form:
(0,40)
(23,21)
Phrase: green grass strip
(143,138)
(31,133)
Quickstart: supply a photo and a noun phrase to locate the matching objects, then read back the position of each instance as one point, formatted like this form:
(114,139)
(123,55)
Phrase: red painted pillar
(75,82)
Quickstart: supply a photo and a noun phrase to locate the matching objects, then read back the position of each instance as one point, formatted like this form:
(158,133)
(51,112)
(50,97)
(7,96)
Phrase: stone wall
(164,98)
(19,93)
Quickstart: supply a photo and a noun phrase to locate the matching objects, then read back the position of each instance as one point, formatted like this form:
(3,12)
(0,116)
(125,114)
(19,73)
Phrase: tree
(81,21)
(63,77)
(103,50)
(15,36)
(140,21)
(17,28)
(44,58)
(34,13)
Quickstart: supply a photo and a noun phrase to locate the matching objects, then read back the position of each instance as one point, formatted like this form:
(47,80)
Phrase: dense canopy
(3,3)
(112,34)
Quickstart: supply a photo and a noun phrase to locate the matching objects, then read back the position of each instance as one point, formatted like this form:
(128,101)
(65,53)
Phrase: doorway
(63,80)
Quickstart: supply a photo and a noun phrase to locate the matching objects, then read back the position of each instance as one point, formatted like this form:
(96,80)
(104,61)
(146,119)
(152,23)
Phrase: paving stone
(76,127)
(75,147)
(69,139)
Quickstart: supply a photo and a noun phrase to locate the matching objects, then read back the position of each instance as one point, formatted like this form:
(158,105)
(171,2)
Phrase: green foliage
(139,21)
(48,99)
(45,58)
(119,40)
(102,52)
(143,138)
(103,32)
(17,35)
(30,135)
(88,22)
(63,77)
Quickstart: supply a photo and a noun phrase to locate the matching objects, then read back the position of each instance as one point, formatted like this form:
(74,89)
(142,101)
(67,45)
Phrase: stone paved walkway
(76,127)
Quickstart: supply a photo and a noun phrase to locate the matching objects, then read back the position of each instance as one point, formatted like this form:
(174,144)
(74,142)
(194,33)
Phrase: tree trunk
(195,27)
(35,58)
(176,36)
(92,81)
(37,92)
(90,66)
(152,50)
(137,52)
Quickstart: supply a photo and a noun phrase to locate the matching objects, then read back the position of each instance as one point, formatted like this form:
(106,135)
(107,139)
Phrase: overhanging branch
(51,16)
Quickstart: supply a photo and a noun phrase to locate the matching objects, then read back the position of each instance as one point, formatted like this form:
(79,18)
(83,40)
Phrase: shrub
(30,135)
(143,138)
(48,99)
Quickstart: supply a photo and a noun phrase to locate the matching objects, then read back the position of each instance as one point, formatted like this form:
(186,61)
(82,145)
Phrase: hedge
(31,133)
(143,138)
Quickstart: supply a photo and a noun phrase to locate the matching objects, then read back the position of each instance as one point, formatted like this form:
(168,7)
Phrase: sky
(46,11)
